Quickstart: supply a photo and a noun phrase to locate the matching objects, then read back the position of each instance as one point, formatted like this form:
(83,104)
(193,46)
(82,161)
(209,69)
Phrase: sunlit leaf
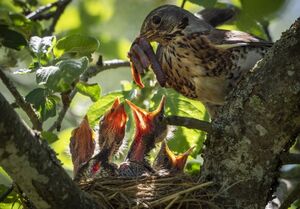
(61,147)
(77,44)
(91,90)
(49,136)
(204,3)
(97,109)
(41,45)
(261,8)
(176,104)
(11,39)
(60,77)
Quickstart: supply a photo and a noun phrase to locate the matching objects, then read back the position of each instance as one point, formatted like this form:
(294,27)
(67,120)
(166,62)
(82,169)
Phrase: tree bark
(34,166)
(259,122)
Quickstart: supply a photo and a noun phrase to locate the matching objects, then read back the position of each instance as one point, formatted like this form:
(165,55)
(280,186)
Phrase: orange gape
(111,134)
(150,129)
(82,144)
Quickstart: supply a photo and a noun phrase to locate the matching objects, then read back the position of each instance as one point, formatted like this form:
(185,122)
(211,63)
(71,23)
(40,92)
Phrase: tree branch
(37,14)
(90,72)
(61,6)
(292,197)
(38,172)
(290,158)
(189,123)
(26,107)
(255,126)
(6,193)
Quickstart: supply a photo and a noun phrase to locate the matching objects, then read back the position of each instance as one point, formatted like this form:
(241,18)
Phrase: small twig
(61,6)
(290,158)
(36,123)
(90,72)
(265,26)
(6,193)
(189,123)
(292,197)
(183,3)
(35,15)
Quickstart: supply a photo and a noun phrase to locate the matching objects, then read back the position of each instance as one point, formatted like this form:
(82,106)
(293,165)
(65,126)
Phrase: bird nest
(171,191)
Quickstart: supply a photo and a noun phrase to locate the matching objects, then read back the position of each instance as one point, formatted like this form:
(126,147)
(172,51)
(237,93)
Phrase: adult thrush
(111,134)
(150,129)
(198,60)
(168,161)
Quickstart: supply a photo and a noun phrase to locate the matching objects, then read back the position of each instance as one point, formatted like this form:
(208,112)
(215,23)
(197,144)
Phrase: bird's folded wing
(230,38)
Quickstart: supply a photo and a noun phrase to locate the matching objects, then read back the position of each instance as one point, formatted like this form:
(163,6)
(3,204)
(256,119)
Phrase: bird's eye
(156,20)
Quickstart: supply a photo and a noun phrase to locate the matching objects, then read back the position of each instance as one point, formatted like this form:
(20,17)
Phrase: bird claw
(142,56)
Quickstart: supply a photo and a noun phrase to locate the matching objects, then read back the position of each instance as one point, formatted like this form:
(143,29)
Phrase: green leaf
(44,104)
(11,39)
(41,45)
(60,77)
(49,136)
(97,109)
(259,9)
(204,3)
(77,44)
(91,90)
(176,104)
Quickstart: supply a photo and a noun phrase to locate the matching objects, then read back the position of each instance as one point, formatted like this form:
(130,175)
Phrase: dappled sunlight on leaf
(61,147)
(69,20)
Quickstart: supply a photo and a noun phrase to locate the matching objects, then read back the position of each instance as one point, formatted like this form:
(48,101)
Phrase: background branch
(37,14)
(290,158)
(26,107)
(189,123)
(90,72)
(39,174)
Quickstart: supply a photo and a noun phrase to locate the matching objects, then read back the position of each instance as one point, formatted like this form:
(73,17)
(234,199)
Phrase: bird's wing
(229,39)
(217,16)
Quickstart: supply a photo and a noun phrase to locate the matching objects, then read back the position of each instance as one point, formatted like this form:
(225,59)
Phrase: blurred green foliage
(84,31)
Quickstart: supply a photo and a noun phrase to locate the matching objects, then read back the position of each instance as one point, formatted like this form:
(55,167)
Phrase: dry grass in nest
(171,191)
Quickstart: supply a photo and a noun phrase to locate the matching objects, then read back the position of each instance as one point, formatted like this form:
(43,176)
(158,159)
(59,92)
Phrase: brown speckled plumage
(199,61)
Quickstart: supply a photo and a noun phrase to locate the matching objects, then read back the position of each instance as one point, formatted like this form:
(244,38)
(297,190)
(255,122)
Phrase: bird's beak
(82,144)
(182,158)
(144,119)
(117,116)
(144,122)
(178,161)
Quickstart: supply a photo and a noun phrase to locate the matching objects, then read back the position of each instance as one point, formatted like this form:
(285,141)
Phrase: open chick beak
(117,117)
(82,144)
(144,119)
(178,162)
(144,122)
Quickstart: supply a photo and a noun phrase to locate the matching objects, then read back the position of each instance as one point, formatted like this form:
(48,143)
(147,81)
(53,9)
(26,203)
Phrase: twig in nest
(36,123)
